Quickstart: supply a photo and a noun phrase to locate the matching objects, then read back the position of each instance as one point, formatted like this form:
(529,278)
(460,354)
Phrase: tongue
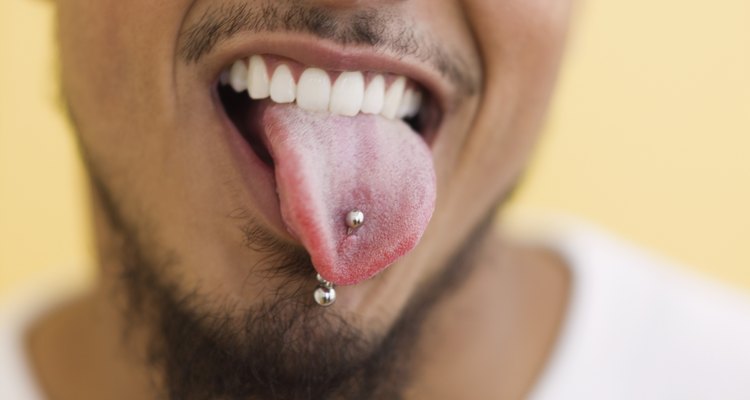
(327,166)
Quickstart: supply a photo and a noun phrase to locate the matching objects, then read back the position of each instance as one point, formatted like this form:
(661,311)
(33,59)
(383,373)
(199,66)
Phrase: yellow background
(649,136)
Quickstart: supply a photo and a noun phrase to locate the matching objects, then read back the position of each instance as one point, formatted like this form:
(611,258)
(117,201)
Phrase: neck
(492,338)
(77,351)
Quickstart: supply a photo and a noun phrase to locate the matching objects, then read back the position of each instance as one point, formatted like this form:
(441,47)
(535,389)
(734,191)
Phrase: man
(295,200)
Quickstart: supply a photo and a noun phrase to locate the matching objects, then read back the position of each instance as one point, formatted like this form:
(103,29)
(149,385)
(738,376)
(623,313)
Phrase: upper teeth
(348,95)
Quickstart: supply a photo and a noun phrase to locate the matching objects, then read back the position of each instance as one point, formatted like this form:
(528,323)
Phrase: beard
(284,348)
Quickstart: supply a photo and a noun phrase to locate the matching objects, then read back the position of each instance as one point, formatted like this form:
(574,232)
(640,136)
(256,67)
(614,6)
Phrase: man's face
(194,178)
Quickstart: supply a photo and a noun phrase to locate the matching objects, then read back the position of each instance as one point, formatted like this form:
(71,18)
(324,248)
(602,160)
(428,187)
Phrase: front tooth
(257,78)
(238,76)
(283,88)
(314,90)
(347,94)
(393,97)
(374,94)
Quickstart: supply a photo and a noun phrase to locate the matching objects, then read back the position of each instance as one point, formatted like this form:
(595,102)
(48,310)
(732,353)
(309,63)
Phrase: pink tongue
(327,166)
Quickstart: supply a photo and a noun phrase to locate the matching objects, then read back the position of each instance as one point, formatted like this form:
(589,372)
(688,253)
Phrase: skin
(137,110)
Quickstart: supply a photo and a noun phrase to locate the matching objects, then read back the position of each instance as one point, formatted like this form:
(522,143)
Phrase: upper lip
(311,51)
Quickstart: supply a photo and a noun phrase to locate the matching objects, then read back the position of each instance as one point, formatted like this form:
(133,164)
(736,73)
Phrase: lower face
(240,195)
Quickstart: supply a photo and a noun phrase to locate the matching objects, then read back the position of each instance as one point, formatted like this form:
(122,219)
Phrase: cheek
(116,59)
(117,74)
(95,52)
(520,43)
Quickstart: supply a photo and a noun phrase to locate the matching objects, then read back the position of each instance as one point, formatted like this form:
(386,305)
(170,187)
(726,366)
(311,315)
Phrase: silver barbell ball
(325,296)
(355,218)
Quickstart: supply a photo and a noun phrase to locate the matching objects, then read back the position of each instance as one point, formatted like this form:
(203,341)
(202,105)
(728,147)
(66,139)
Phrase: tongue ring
(354,219)
(325,294)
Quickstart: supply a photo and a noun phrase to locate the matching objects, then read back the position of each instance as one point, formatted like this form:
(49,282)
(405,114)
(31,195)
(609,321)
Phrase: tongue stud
(354,219)
(325,294)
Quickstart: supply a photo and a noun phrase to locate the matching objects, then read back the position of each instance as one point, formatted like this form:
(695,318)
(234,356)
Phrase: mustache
(382,28)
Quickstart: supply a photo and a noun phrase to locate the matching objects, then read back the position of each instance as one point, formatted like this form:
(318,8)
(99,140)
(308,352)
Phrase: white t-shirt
(18,311)
(636,327)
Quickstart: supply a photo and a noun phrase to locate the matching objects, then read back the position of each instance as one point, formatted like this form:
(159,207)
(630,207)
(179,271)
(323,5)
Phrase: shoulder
(640,326)
(20,308)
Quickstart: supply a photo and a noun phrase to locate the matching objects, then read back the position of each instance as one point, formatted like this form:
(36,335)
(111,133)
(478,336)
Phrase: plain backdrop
(649,136)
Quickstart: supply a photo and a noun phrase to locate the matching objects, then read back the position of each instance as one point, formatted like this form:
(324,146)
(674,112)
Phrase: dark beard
(285,348)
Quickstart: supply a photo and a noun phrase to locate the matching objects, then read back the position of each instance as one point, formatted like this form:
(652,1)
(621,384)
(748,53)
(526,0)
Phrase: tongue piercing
(355,218)
(325,294)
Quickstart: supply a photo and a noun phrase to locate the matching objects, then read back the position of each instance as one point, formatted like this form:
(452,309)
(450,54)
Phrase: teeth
(283,88)
(410,104)
(238,76)
(257,78)
(314,90)
(374,95)
(393,97)
(347,94)
(405,105)
(224,78)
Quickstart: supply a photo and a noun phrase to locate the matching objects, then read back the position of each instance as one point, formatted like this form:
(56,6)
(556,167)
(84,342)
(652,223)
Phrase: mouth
(332,142)
(253,83)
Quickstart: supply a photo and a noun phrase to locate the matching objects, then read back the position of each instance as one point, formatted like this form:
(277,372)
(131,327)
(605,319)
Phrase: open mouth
(339,143)
(249,84)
